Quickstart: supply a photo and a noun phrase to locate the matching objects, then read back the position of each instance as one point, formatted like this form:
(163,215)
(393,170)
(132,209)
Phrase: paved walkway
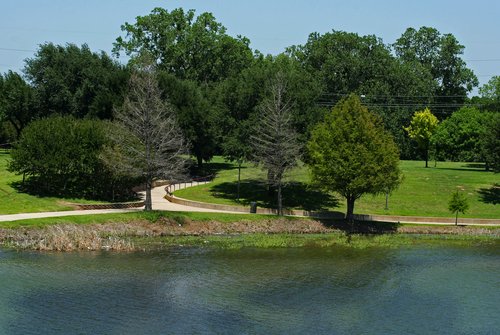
(159,203)
(157,197)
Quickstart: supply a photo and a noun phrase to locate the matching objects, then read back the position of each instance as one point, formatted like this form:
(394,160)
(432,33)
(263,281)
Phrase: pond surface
(417,290)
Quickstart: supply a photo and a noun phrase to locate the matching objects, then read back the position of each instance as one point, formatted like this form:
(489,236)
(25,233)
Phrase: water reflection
(293,291)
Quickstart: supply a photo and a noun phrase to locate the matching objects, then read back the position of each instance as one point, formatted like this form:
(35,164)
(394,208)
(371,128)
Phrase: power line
(396,96)
(17,50)
(483,60)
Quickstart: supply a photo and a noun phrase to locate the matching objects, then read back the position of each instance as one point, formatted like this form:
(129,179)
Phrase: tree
(421,128)
(274,141)
(237,100)
(151,145)
(460,137)
(194,48)
(351,153)
(16,102)
(441,55)
(60,156)
(198,52)
(490,94)
(72,80)
(236,148)
(347,63)
(491,142)
(194,114)
(344,61)
(458,203)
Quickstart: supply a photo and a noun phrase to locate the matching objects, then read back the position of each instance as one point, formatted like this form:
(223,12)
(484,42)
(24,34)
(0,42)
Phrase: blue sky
(271,25)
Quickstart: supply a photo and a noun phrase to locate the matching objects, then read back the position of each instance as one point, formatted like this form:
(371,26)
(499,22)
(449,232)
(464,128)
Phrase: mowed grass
(12,201)
(152,216)
(424,191)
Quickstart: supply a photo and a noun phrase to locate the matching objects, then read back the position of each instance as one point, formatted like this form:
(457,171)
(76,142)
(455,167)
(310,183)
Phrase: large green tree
(490,94)
(491,142)
(195,115)
(198,52)
(461,136)
(188,46)
(238,97)
(72,80)
(347,63)
(16,101)
(351,153)
(344,61)
(441,55)
(60,155)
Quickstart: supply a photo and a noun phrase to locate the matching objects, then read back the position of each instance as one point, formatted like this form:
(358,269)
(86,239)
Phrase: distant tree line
(218,86)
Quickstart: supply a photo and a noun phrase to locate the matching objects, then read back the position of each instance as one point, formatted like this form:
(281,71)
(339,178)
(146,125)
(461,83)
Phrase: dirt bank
(117,236)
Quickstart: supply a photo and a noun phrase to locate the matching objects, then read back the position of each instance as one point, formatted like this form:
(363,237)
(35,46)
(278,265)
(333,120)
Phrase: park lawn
(12,201)
(152,216)
(424,191)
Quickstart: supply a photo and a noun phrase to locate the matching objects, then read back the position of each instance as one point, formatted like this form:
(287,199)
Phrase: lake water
(417,290)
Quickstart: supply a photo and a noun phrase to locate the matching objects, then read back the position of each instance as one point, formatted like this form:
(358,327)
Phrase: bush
(60,156)
(460,138)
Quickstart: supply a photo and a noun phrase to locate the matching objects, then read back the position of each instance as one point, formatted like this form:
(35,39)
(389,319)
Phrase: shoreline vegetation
(161,230)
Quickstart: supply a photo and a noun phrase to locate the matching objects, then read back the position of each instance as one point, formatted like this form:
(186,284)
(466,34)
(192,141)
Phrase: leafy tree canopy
(347,63)
(73,80)
(491,142)
(16,101)
(188,46)
(196,117)
(490,94)
(60,156)
(422,126)
(458,203)
(441,55)
(460,137)
(351,153)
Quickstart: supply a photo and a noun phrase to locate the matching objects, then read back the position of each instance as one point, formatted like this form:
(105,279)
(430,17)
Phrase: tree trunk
(239,178)
(427,157)
(199,160)
(386,200)
(350,209)
(456,219)
(148,206)
(280,203)
(270,181)
(17,128)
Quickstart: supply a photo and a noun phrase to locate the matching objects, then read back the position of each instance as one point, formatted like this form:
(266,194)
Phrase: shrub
(60,156)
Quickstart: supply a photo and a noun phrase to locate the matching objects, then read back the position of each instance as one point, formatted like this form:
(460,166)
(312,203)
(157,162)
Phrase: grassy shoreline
(141,231)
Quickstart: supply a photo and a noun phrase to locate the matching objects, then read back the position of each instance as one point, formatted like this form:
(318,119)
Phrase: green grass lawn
(12,201)
(424,191)
(139,215)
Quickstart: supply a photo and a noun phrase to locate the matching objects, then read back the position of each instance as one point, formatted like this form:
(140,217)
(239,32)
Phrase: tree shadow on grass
(464,168)
(490,195)
(480,166)
(211,168)
(36,187)
(295,195)
(361,227)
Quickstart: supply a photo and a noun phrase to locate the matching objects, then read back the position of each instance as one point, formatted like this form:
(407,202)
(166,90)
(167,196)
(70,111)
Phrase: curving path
(160,203)
(157,195)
